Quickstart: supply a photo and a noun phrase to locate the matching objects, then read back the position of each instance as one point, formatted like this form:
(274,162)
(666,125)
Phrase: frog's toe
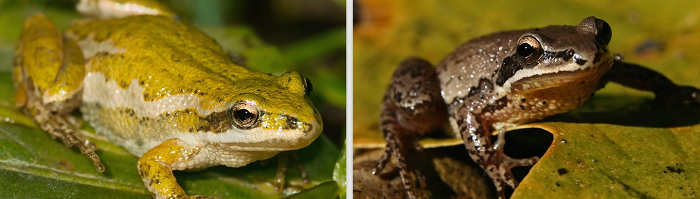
(382,161)
(524,162)
(501,174)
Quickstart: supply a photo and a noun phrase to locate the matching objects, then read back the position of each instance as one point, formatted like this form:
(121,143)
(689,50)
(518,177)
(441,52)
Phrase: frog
(161,89)
(495,82)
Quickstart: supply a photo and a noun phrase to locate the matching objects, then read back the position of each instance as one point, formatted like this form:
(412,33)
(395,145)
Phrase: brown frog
(501,80)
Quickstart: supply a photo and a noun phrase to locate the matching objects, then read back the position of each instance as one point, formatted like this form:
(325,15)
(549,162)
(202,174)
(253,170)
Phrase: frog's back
(147,47)
(473,60)
(151,78)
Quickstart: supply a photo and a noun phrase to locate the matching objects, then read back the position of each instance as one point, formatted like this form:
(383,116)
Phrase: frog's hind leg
(642,78)
(395,147)
(58,127)
(412,107)
(48,73)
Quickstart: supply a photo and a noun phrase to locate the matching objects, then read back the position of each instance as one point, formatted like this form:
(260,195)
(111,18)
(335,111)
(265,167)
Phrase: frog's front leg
(156,165)
(48,74)
(642,78)
(475,132)
(412,107)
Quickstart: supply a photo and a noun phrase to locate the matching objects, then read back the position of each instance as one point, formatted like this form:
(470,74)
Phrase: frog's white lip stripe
(258,139)
(529,72)
(110,95)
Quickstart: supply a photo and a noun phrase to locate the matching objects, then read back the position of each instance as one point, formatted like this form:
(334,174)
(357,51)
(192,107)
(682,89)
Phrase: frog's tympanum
(501,80)
(160,88)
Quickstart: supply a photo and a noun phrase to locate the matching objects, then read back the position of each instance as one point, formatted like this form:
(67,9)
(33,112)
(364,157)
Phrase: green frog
(498,81)
(161,89)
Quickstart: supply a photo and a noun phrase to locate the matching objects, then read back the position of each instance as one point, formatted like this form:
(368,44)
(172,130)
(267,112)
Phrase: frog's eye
(529,49)
(244,115)
(307,86)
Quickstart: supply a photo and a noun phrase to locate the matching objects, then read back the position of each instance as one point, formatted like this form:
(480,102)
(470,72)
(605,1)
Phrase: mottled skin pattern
(501,80)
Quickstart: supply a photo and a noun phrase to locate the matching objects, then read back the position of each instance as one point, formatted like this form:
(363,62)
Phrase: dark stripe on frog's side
(508,68)
(513,63)
(215,122)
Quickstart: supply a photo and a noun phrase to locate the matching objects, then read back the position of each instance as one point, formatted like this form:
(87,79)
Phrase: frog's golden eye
(529,49)
(244,115)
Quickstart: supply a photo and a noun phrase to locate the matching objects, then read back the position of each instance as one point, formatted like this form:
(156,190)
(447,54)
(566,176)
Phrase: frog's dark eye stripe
(243,115)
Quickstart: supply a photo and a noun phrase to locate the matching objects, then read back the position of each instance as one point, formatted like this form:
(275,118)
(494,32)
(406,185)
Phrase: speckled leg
(58,127)
(639,77)
(48,73)
(490,157)
(156,165)
(411,108)
(394,147)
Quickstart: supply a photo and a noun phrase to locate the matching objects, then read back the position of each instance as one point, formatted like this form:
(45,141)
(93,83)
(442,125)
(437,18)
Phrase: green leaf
(339,175)
(325,190)
(31,158)
(616,161)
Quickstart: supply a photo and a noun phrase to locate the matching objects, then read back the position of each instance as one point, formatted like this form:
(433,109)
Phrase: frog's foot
(407,175)
(499,164)
(498,168)
(156,165)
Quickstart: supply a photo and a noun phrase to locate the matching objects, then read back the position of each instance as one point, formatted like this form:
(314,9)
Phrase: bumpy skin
(494,82)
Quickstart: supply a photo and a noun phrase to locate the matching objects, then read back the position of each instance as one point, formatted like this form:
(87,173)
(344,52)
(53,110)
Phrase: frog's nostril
(292,123)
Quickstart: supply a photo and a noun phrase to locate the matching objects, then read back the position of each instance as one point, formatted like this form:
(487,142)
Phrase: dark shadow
(525,143)
(625,111)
